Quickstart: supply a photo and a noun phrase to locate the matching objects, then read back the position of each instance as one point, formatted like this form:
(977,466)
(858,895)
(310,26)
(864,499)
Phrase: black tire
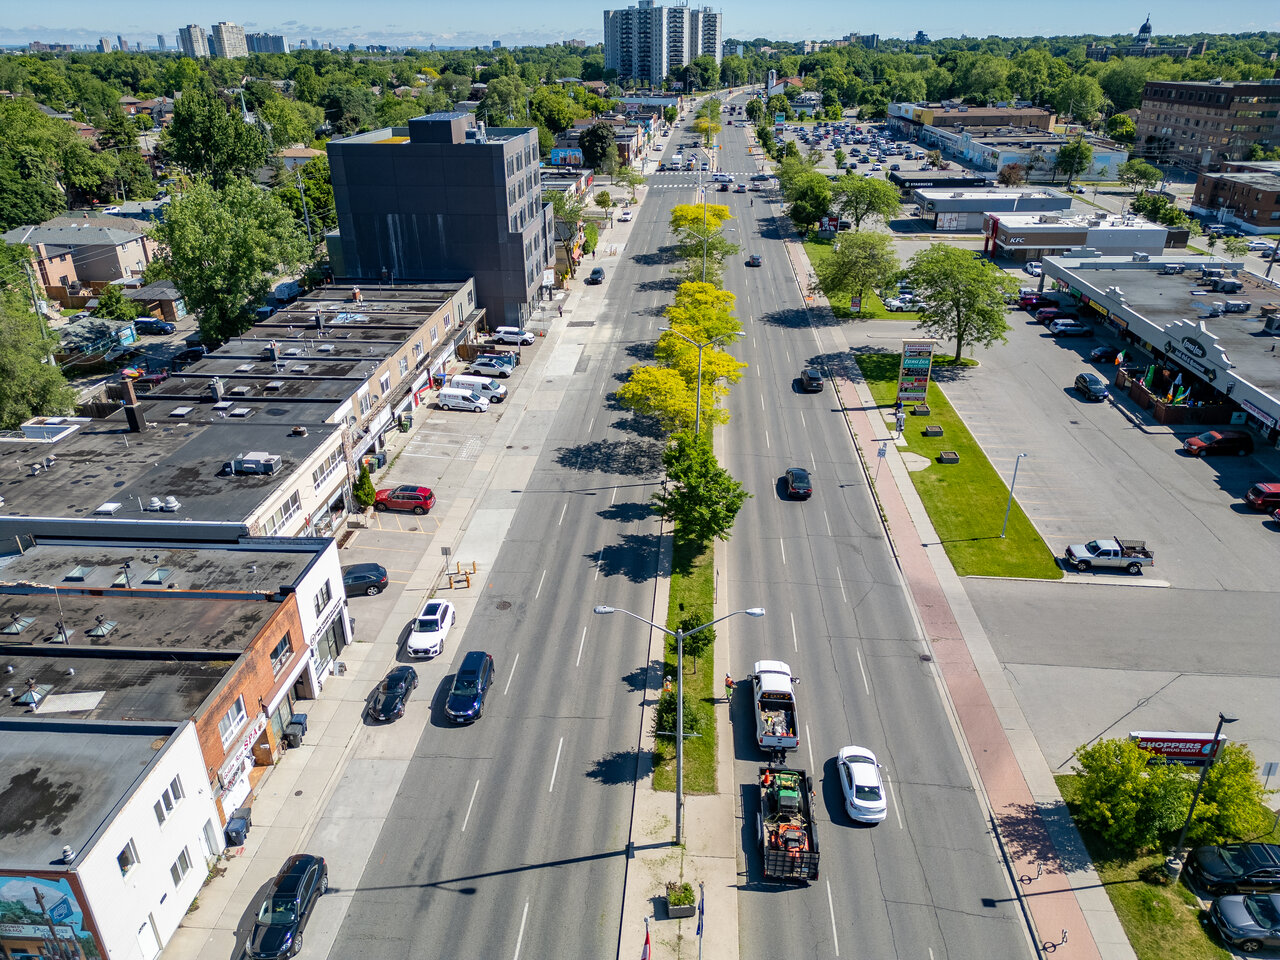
(372,591)
(324,884)
(380,507)
(1082,565)
(297,944)
(1135,568)
(1251,946)
(1242,452)
(419,511)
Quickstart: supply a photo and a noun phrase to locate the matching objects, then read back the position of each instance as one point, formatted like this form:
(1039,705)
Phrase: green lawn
(872,306)
(1162,921)
(692,592)
(966,500)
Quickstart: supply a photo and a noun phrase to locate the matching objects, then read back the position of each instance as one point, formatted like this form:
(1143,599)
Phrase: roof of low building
(100,230)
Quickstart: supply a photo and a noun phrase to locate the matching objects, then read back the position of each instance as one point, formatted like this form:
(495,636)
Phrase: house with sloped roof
(101,249)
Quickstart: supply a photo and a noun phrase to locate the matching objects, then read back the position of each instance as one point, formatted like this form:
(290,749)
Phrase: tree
(114,305)
(1012,175)
(934,157)
(208,141)
(687,215)
(1128,795)
(596,143)
(291,121)
(861,197)
(363,491)
(839,158)
(1121,127)
(858,262)
(224,247)
(347,108)
(700,497)
(29,387)
(1078,96)
(1138,173)
(1074,158)
(660,393)
(696,643)
(629,178)
(320,209)
(703,252)
(568,212)
(1235,246)
(812,200)
(963,296)
(605,203)
(755,110)
(1233,803)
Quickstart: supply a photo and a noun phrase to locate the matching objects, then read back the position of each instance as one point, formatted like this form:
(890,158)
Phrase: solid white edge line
(467,818)
(767,444)
(582,643)
(814,462)
(808,742)
(831,905)
(865,685)
(520,938)
(556,767)
(511,674)
(795,642)
(805,426)
(840,579)
(562,513)
(538,592)
(893,795)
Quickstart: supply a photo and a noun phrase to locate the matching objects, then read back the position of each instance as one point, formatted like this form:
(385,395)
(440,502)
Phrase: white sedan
(624,216)
(864,796)
(902,304)
(429,629)
(1259,246)
(1033,267)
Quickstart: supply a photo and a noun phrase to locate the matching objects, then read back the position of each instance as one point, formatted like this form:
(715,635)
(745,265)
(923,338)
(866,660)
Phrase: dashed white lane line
(474,791)
(551,786)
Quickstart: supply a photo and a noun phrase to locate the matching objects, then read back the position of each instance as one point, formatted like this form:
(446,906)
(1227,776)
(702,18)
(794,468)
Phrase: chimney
(132,412)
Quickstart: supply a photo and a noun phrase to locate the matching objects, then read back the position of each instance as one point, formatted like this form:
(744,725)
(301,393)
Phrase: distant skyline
(412,22)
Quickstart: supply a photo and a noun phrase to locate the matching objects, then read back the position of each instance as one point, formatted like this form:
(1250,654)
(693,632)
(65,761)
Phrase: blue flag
(702,906)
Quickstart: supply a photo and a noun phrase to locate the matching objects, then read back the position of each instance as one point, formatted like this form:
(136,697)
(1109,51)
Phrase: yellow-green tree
(686,216)
(661,393)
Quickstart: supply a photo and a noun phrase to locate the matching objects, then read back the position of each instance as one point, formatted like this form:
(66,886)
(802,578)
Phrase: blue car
(153,326)
(470,686)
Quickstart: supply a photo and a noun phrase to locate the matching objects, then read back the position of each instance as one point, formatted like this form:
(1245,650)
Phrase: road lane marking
(525,916)
(538,593)
(795,641)
(865,685)
(830,906)
(803,425)
(814,462)
(767,444)
(762,401)
(581,643)
(474,791)
(783,547)
(828,522)
(562,512)
(552,785)
(893,796)
(511,674)
(599,560)
(808,742)
(840,580)
(590,425)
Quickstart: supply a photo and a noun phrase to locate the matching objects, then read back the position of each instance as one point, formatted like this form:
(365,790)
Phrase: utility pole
(46,338)
(306,216)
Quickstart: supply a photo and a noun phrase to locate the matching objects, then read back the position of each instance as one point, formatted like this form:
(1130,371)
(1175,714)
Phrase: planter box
(920,410)
(948,456)
(682,913)
(933,430)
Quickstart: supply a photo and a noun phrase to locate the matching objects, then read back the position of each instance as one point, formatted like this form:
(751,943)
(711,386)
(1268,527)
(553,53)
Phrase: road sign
(882,450)
(1189,749)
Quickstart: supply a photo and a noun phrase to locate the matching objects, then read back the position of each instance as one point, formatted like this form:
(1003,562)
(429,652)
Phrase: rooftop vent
(179,411)
(107,509)
(257,462)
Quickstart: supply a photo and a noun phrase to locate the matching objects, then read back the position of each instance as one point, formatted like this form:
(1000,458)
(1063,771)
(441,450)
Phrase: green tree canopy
(660,393)
(208,141)
(114,305)
(1137,174)
(859,198)
(1126,797)
(701,497)
(29,386)
(858,262)
(1074,158)
(597,144)
(963,296)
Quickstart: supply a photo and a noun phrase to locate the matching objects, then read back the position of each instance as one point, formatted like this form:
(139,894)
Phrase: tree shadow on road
(641,351)
(634,556)
(615,769)
(663,285)
(797,318)
(630,511)
(656,258)
(648,427)
(637,680)
(628,458)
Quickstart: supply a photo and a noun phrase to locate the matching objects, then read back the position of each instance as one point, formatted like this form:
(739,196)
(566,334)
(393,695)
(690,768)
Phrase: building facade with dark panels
(444,199)
(1201,126)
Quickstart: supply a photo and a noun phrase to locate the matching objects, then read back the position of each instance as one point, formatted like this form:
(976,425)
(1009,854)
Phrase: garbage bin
(238,825)
(301,720)
(293,735)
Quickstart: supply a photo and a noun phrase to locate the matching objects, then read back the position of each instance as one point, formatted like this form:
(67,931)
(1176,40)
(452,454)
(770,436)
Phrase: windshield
(428,624)
(1263,910)
(1235,858)
(466,686)
(278,912)
(1207,437)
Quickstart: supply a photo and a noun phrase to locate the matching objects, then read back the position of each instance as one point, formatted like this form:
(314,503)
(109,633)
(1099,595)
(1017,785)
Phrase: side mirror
(795,679)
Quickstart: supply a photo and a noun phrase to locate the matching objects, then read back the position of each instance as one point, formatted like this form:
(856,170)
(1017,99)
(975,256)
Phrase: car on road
(596,275)
(364,579)
(150,325)
(430,628)
(864,795)
(1091,387)
(392,694)
(489,367)
(1033,267)
(407,496)
(1215,442)
(1104,354)
(285,910)
(625,216)
(1249,922)
(1263,496)
(723,188)
(798,484)
(754,260)
(811,380)
(760,177)
(465,703)
(1235,868)
(513,335)
(895,166)
(1069,327)
(740,188)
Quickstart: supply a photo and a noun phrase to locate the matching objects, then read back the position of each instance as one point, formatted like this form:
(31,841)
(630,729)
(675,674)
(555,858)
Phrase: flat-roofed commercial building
(1202,125)
(1245,195)
(964,209)
(1022,237)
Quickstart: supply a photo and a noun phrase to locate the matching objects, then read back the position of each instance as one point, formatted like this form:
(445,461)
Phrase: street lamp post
(1012,484)
(680,635)
(697,403)
(1174,864)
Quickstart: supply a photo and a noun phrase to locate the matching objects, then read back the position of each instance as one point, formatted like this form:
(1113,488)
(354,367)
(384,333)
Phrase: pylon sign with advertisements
(913,374)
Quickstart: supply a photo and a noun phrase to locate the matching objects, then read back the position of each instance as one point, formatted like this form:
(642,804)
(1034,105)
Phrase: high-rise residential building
(1201,125)
(647,42)
(266,43)
(160,45)
(104,45)
(228,40)
(193,41)
(120,44)
(444,198)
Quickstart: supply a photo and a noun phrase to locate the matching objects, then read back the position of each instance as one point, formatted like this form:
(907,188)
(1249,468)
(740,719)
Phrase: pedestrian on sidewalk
(560,307)
(729,686)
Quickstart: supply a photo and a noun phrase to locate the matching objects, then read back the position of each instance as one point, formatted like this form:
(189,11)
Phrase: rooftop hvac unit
(257,462)
(215,388)
(1141,257)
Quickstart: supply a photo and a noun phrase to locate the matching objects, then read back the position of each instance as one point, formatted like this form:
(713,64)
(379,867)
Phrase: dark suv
(277,930)
(811,380)
(1091,386)
(1236,868)
(465,703)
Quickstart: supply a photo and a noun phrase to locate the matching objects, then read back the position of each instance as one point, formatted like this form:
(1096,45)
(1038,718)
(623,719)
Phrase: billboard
(41,917)
(566,157)
(913,373)
(1189,749)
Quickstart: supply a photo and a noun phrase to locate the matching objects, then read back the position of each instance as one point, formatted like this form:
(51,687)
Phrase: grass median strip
(873,307)
(966,500)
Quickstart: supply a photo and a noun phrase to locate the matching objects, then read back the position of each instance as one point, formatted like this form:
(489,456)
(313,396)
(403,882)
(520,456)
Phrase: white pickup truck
(1131,555)
(777,727)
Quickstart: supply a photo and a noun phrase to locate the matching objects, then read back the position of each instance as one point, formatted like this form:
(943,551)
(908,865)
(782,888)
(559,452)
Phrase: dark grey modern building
(444,198)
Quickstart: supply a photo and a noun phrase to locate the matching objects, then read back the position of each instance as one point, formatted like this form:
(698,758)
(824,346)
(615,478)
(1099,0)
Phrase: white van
(487,387)
(513,335)
(459,398)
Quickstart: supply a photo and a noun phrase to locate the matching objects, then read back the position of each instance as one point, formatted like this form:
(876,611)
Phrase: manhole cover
(926,658)
(297,793)
(504,604)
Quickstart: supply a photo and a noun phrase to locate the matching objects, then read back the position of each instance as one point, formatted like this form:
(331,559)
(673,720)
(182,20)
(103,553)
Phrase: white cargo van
(487,387)
(458,398)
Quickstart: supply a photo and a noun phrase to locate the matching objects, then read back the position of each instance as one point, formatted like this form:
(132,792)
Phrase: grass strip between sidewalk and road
(966,500)
(692,593)
(873,307)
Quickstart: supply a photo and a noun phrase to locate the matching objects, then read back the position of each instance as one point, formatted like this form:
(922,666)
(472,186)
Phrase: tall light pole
(680,635)
(1009,505)
(697,403)
(1174,864)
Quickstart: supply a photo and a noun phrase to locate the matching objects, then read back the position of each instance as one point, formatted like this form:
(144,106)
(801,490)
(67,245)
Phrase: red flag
(644,954)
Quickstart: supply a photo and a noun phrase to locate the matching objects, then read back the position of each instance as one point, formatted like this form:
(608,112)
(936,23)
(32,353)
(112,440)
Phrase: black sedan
(799,486)
(388,702)
(1249,922)
(283,914)
(754,260)
(364,579)
(1104,354)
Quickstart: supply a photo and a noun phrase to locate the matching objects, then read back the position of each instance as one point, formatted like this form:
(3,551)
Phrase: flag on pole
(1119,358)
(644,954)
(702,906)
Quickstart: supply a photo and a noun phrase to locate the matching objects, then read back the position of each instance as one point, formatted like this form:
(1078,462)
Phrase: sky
(517,22)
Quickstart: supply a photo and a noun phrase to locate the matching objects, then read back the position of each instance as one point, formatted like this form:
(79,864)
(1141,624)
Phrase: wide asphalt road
(927,882)
(508,837)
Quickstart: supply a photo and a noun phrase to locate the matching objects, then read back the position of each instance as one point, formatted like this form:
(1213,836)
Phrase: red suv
(417,499)
(1220,441)
(1035,302)
(1263,496)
